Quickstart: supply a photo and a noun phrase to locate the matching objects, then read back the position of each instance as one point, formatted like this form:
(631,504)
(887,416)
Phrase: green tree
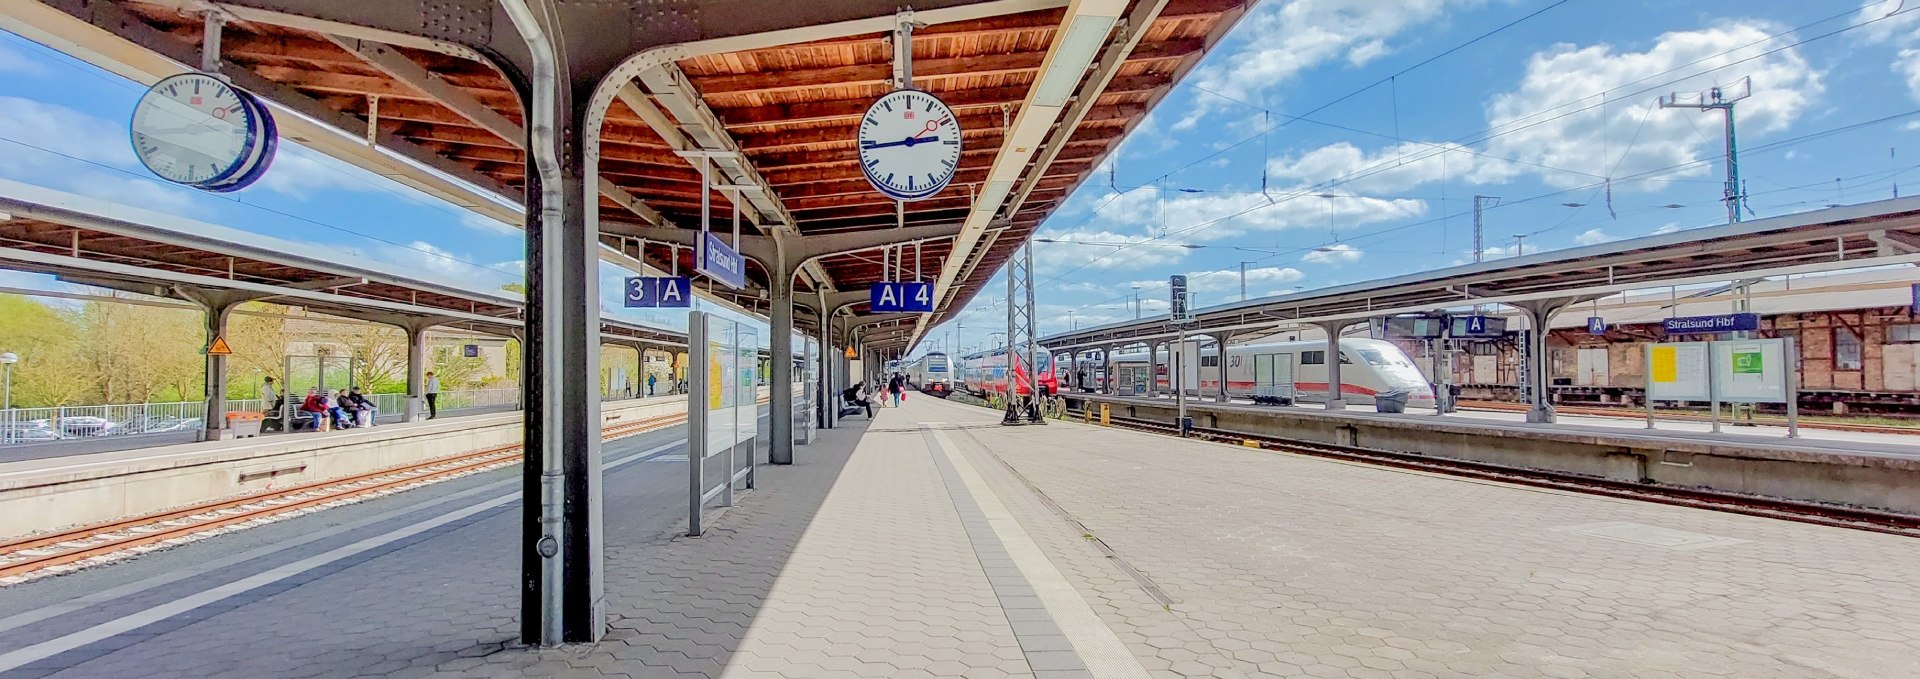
(258,334)
(380,356)
(52,369)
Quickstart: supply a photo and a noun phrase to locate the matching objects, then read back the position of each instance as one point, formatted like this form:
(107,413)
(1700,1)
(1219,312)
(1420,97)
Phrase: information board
(1751,371)
(1677,371)
(722,408)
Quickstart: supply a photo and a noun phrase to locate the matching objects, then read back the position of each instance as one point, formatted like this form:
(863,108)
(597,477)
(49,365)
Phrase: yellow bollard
(1106,415)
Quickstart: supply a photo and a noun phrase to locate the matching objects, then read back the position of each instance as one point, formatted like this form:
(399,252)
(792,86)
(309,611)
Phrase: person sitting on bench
(853,397)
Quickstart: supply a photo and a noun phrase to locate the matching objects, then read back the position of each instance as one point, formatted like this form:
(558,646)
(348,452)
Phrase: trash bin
(242,425)
(1390,401)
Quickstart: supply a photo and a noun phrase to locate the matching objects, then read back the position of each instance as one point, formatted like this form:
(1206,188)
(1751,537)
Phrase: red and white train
(1282,371)
(985,373)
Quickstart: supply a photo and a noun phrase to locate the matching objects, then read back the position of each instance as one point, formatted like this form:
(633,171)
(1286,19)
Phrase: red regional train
(985,373)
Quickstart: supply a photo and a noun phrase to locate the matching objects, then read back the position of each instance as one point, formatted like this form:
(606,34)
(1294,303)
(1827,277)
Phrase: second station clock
(909,144)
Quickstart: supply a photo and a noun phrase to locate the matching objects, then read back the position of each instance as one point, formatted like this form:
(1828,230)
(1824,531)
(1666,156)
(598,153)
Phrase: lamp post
(8,359)
(1136,302)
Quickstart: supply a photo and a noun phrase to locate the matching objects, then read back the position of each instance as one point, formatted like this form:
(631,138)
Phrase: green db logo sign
(1747,363)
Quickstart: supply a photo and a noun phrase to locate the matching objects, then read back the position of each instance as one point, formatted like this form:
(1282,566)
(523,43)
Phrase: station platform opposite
(932,542)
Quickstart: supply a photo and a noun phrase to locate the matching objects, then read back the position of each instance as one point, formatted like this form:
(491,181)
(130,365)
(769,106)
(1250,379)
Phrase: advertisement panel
(1751,371)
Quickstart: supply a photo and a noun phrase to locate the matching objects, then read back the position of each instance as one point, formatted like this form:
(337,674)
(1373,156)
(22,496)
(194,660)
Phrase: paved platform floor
(934,543)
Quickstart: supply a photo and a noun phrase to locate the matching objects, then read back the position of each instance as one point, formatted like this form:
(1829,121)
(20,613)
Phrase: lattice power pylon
(1022,344)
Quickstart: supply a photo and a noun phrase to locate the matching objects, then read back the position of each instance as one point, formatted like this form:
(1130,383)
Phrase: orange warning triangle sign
(219,347)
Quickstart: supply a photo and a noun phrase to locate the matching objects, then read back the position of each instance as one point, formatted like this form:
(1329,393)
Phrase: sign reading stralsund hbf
(1710,324)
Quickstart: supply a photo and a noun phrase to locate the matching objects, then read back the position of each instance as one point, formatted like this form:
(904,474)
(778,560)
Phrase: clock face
(197,130)
(909,144)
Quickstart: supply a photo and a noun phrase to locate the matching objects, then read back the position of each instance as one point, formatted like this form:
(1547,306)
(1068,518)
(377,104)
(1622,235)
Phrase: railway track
(1604,411)
(33,556)
(1790,510)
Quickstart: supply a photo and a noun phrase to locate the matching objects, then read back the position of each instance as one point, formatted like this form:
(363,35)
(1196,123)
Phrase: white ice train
(1284,371)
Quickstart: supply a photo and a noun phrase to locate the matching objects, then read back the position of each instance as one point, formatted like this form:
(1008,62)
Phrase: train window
(1209,361)
(1904,332)
(1846,349)
(1313,358)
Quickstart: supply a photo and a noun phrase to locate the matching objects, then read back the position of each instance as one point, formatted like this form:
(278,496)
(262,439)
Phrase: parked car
(86,425)
(28,431)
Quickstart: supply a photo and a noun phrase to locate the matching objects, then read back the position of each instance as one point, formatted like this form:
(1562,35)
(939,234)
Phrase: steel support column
(780,374)
(416,370)
(1220,340)
(219,306)
(561,576)
(1336,396)
(1539,320)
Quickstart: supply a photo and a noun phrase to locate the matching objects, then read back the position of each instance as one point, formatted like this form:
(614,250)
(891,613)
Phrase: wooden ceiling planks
(792,109)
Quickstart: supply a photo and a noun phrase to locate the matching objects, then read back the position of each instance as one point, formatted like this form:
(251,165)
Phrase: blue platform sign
(1711,324)
(1916,298)
(720,262)
(1596,325)
(1478,326)
(661,292)
(890,296)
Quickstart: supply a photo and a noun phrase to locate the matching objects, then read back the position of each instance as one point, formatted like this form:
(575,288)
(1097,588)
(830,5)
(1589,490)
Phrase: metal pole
(697,399)
(1180,380)
(1243,281)
(1479,233)
(1713,388)
(1646,366)
(1792,358)
(1733,169)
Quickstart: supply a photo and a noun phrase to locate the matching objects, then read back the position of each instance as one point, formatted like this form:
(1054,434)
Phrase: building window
(1904,332)
(1846,349)
(1313,357)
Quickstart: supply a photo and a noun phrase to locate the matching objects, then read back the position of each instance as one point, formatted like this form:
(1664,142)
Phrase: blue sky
(1376,180)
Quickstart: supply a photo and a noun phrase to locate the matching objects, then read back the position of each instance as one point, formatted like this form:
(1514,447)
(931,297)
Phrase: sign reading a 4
(890,296)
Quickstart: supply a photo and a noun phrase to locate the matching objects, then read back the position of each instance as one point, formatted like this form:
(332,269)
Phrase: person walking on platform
(650,381)
(433,395)
(897,387)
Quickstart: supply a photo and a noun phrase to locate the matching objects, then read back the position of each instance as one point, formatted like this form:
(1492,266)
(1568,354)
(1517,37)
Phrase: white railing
(37,425)
(41,425)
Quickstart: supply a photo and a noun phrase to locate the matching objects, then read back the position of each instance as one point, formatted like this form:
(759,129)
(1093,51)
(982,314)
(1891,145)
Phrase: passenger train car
(986,373)
(932,373)
(1284,372)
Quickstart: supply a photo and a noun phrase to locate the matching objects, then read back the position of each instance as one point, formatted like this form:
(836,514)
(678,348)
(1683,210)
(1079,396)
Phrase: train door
(1133,379)
(1273,377)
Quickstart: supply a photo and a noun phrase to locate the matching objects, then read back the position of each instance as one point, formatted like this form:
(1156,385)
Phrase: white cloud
(1227,214)
(302,174)
(1633,135)
(1292,37)
(64,131)
(1392,169)
(1337,253)
(1594,237)
(1228,280)
(1104,250)
(98,162)
(1668,227)
(1893,22)
(426,261)
(1909,63)
(12,61)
